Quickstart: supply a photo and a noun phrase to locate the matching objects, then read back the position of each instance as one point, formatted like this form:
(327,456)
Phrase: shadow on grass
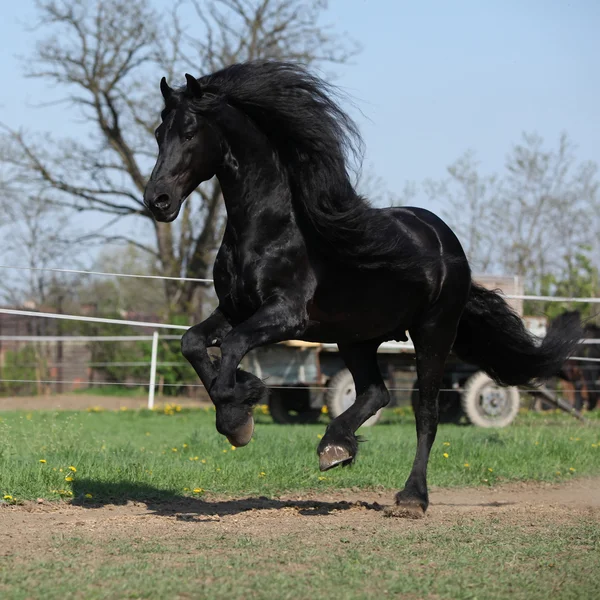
(170,503)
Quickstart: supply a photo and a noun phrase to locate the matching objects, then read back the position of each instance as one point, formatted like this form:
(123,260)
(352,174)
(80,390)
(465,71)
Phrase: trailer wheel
(341,394)
(292,406)
(486,404)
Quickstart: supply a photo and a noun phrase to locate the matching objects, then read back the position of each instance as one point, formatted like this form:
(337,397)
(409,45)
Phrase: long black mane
(315,141)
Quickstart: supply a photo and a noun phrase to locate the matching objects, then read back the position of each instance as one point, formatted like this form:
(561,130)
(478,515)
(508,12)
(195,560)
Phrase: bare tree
(547,212)
(106,56)
(535,220)
(469,200)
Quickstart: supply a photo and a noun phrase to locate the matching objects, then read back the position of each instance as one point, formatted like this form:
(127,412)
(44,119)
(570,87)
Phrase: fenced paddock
(121,501)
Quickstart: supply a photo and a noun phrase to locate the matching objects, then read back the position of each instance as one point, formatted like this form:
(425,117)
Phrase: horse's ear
(165,90)
(193,86)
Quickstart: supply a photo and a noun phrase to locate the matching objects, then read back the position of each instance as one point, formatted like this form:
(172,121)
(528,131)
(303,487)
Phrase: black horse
(305,257)
(585,375)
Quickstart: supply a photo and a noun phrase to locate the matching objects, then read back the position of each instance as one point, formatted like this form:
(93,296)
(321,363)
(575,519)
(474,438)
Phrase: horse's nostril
(162,202)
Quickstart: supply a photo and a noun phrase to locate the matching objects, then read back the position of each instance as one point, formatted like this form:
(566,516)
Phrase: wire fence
(153,364)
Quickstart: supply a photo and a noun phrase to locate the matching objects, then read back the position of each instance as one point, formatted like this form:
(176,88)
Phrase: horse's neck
(254,187)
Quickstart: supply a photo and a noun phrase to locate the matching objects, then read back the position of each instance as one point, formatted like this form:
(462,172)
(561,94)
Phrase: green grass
(473,559)
(150,455)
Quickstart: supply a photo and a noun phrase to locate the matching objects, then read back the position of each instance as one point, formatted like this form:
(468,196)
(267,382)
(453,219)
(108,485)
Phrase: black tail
(492,336)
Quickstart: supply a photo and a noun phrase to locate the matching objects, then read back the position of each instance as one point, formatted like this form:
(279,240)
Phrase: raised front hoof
(333,455)
(407,507)
(242,435)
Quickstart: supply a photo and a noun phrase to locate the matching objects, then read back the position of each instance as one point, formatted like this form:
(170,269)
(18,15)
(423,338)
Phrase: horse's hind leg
(339,444)
(433,342)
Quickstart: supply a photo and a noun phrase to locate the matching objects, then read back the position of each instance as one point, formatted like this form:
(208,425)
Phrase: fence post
(152,383)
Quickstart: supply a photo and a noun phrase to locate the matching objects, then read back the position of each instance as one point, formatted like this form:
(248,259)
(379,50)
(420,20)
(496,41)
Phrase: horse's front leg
(277,320)
(196,341)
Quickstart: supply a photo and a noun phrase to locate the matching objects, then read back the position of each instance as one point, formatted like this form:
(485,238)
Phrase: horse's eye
(189,136)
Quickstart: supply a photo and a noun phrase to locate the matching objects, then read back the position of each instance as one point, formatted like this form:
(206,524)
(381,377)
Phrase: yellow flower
(466,465)
(43,461)
(446,443)
(203,461)
(324,410)
(572,469)
(186,489)
(185,445)
(594,445)
(320,435)
(262,474)
(88,496)
(445,455)
(224,451)
(322,478)
(8,497)
(73,469)
(198,490)
(68,478)
(147,433)
(174,449)
(490,470)
(233,447)
(558,472)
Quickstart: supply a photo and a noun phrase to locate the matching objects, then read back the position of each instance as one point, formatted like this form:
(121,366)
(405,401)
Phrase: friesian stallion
(304,256)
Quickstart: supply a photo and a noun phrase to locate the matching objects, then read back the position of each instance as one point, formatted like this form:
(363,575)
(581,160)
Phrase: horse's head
(189,150)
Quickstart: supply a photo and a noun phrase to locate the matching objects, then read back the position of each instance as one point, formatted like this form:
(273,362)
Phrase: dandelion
(68,478)
(594,445)
(8,497)
(324,410)
(88,496)
(572,469)
(43,461)
(322,478)
(446,443)
(490,470)
(558,472)
(233,447)
(73,469)
(185,445)
(186,489)
(203,461)
(198,490)
(262,474)
(320,435)
(174,449)
(466,465)
(60,470)
(445,455)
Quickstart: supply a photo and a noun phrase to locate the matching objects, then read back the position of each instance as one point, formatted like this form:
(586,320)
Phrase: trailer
(306,378)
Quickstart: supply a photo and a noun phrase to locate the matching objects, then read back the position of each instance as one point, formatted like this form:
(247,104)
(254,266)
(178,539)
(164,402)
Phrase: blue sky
(435,78)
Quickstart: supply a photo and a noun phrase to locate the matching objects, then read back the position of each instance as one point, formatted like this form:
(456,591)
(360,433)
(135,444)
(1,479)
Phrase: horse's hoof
(242,435)
(332,456)
(407,506)
(406,510)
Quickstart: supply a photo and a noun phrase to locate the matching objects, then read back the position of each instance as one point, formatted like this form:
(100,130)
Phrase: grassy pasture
(106,456)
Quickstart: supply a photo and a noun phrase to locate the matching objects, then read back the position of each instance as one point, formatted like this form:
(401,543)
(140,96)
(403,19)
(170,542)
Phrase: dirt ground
(28,529)
(75,401)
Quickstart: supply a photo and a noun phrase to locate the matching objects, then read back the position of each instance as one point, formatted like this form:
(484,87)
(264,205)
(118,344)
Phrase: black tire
(341,394)
(486,404)
(292,407)
(449,404)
